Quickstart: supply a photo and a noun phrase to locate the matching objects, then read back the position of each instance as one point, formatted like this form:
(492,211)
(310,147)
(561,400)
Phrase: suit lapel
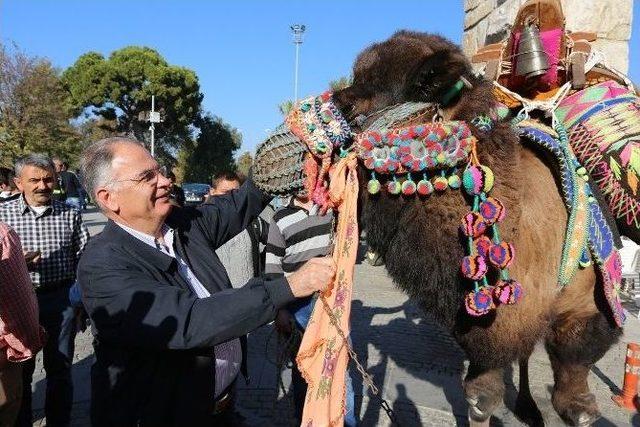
(145,254)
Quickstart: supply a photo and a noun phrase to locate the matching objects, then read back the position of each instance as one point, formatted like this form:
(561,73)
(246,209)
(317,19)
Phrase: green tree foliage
(34,113)
(341,83)
(244,163)
(211,153)
(118,91)
(285,107)
(335,85)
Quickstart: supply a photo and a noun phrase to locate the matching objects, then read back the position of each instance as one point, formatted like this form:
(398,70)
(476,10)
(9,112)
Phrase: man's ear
(108,200)
(18,183)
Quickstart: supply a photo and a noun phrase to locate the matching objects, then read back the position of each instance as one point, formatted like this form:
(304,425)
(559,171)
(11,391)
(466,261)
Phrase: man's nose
(163,181)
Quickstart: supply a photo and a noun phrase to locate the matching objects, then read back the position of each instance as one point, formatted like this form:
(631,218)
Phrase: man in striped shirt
(298,233)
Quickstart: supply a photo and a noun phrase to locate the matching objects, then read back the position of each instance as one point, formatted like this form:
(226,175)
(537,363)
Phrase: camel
(419,240)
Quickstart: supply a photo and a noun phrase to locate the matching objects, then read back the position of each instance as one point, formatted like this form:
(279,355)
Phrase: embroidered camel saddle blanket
(590,237)
(603,122)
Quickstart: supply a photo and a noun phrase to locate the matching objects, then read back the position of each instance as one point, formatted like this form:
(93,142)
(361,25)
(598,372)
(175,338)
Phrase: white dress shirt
(228,354)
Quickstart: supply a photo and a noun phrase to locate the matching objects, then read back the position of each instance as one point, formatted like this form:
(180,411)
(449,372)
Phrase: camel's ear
(345,98)
(351,99)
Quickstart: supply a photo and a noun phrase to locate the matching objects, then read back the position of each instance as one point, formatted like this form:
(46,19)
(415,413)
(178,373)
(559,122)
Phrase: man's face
(224,186)
(58,164)
(140,193)
(36,184)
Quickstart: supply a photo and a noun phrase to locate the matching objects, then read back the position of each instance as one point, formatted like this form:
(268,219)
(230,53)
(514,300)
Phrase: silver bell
(531,59)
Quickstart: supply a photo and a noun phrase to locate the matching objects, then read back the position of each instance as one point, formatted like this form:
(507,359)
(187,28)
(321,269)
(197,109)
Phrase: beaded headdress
(434,153)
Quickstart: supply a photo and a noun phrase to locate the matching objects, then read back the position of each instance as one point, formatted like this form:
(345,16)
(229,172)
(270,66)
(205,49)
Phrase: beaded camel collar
(436,152)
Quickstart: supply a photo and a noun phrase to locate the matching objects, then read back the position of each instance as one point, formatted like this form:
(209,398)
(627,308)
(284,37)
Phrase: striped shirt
(55,230)
(295,236)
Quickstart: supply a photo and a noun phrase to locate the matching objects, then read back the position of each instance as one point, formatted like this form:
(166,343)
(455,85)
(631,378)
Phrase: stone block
(471,4)
(473,37)
(502,18)
(477,14)
(611,19)
(616,52)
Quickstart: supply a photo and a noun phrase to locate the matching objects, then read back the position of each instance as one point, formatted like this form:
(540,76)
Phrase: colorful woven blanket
(604,131)
(587,223)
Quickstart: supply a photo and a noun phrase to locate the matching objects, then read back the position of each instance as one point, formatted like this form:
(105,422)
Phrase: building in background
(489,21)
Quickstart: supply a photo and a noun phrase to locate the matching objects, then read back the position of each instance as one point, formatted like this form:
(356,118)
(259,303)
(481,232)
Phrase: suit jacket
(153,337)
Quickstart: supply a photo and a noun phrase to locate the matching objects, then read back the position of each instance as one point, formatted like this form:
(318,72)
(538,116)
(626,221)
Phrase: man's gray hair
(95,162)
(39,160)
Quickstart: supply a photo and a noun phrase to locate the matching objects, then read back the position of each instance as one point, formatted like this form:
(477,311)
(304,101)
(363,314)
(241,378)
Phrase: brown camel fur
(419,239)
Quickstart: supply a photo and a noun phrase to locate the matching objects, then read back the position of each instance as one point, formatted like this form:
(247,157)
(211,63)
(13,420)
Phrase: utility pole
(298,31)
(154,117)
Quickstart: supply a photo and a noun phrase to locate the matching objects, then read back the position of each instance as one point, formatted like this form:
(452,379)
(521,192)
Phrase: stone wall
(488,21)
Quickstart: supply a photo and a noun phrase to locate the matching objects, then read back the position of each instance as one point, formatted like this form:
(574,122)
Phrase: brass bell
(530,60)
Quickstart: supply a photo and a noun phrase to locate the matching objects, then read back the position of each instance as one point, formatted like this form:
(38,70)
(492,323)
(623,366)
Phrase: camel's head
(409,66)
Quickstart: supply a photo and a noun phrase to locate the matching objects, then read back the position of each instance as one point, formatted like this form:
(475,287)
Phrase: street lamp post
(154,117)
(298,31)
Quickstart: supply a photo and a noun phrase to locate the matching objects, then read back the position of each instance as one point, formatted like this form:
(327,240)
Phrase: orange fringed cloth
(323,355)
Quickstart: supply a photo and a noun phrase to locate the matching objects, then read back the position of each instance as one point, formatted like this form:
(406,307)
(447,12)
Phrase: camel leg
(574,345)
(526,408)
(483,390)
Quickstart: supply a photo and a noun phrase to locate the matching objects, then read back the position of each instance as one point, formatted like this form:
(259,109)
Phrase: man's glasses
(150,176)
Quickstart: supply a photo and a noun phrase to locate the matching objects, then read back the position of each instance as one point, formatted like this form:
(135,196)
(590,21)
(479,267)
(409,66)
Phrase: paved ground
(417,366)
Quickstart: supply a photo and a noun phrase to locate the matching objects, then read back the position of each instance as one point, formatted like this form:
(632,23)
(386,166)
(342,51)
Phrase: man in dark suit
(165,318)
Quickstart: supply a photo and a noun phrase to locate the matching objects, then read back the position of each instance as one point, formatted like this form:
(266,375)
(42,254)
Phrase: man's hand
(316,275)
(32,258)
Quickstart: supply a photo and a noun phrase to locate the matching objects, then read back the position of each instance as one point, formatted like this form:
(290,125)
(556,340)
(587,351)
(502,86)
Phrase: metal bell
(531,59)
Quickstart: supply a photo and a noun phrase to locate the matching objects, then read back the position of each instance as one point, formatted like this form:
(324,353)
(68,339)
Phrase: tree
(244,163)
(34,113)
(118,90)
(335,85)
(211,152)
(285,107)
(341,83)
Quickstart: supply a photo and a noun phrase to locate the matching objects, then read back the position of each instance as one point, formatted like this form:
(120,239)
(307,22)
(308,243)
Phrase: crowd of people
(170,292)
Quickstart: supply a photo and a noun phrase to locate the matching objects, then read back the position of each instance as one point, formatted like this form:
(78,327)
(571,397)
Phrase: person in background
(166,320)
(83,193)
(177,193)
(224,182)
(69,184)
(297,234)
(54,237)
(8,189)
(21,337)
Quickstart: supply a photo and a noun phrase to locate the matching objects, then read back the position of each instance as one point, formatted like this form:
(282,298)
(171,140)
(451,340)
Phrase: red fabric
(21,337)
(551,40)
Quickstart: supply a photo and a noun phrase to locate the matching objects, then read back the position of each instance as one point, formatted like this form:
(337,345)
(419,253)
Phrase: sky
(241,50)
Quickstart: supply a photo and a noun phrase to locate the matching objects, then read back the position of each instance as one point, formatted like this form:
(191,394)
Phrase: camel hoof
(526,410)
(581,410)
(479,411)
(473,420)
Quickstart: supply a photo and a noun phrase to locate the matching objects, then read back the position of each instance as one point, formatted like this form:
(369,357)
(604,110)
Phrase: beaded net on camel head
(278,168)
